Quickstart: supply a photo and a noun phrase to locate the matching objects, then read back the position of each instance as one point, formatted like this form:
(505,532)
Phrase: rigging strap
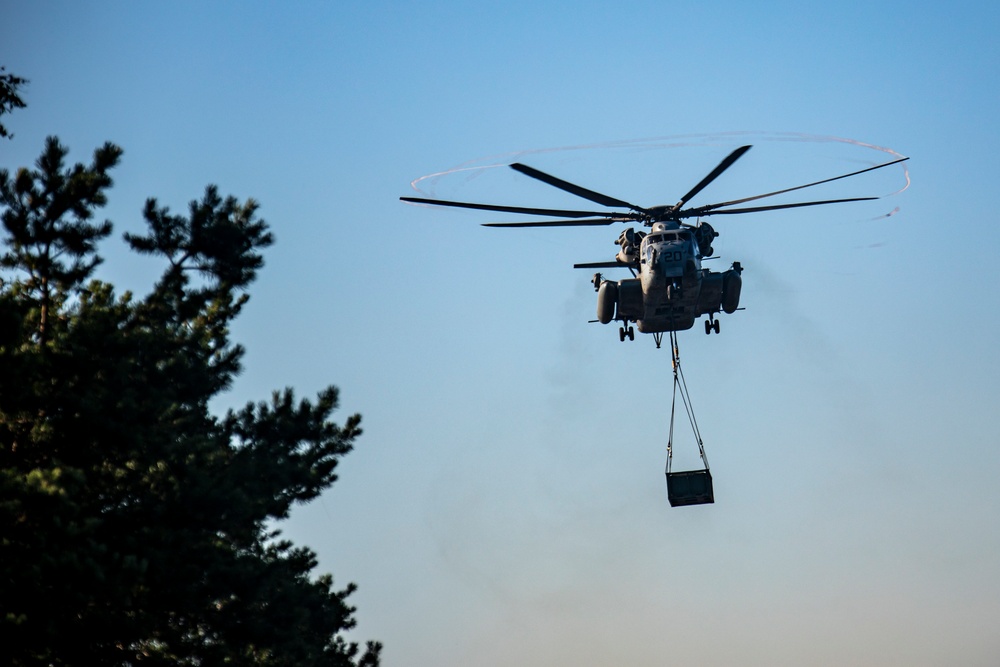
(680,387)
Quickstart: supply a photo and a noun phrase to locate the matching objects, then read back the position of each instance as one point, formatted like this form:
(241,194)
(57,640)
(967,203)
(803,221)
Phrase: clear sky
(506,504)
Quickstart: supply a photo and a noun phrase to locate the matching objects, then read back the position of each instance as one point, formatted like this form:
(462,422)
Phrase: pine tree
(135,525)
(10,99)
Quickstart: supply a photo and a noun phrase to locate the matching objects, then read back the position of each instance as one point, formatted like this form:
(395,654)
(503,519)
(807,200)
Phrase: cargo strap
(680,387)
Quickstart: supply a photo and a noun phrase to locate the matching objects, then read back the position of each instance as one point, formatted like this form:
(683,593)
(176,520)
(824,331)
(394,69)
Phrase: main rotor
(639,214)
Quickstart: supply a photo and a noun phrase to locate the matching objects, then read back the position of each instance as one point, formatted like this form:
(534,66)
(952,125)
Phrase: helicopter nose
(670,261)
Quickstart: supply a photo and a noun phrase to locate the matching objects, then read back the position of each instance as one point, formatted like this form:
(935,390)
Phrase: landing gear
(624,333)
(711,324)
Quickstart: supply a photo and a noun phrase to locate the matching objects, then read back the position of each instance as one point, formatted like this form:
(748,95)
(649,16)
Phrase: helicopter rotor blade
(703,210)
(774,207)
(572,188)
(590,222)
(602,265)
(558,213)
(714,174)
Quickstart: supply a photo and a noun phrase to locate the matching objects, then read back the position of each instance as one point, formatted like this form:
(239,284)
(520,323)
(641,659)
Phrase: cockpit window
(668,236)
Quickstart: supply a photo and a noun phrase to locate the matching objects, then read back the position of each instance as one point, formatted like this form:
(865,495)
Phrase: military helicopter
(669,289)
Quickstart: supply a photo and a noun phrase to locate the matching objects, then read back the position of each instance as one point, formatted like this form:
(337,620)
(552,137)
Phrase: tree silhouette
(9,97)
(136,527)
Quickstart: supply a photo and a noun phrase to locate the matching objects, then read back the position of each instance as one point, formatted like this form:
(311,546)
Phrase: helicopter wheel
(708,327)
(716,326)
(624,333)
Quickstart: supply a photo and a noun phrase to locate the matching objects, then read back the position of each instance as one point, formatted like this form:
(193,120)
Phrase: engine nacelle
(627,237)
(704,234)
(629,242)
(732,284)
(607,300)
(627,255)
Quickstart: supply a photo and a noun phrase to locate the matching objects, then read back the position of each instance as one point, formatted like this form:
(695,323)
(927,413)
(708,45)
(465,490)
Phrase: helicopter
(669,289)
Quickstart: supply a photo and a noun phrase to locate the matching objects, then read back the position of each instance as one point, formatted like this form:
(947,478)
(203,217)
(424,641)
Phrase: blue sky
(506,504)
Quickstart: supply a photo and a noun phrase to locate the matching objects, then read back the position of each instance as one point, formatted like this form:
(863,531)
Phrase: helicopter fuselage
(670,275)
(671,289)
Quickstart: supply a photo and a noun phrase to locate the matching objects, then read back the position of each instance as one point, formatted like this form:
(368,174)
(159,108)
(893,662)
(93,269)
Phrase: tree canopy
(137,526)
(10,97)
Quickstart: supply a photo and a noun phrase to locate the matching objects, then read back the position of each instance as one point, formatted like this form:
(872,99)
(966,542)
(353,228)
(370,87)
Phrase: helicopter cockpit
(668,237)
